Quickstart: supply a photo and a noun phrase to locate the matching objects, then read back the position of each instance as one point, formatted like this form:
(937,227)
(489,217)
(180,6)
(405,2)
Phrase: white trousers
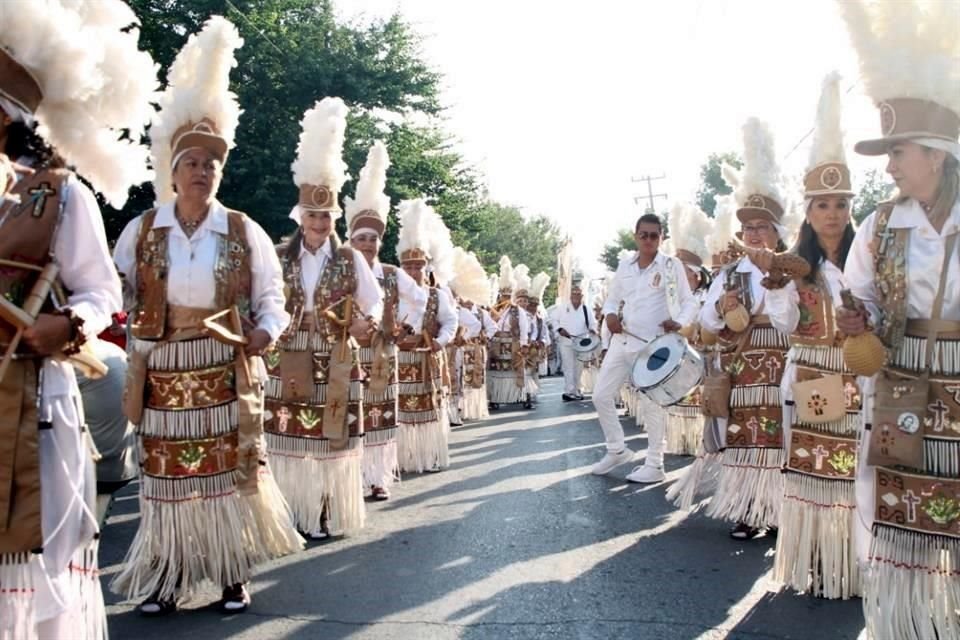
(571,367)
(614,371)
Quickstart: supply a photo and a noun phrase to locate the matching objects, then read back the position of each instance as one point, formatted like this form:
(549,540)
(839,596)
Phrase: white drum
(667,369)
(586,347)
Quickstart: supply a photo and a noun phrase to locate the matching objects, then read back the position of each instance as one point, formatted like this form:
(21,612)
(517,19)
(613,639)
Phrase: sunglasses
(648,235)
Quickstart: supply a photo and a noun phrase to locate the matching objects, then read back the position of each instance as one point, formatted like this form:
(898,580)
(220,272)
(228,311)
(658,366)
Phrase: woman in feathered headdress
(422,418)
(506,377)
(815,547)
(904,270)
(539,336)
(208,300)
(64,101)
(367,215)
(314,423)
(450,282)
(472,288)
(750,488)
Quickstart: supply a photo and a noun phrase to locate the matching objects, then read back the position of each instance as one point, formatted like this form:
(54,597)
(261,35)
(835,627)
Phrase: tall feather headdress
(827,172)
(470,280)
(758,187)
(689,228)
(539,285)
(521,276)
(319,170)
(565,271)
(68,67)
(413,242)
(506,282)
(369,209)
(440,248)
(910,64)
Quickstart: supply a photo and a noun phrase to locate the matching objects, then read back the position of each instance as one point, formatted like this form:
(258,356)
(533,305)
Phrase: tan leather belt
(179,390)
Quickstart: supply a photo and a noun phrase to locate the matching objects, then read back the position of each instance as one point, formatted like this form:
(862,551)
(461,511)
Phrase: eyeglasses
(648,235)
(760,228)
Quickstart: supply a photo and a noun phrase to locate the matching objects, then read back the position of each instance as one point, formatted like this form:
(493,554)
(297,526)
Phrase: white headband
(951,147)
(297,216)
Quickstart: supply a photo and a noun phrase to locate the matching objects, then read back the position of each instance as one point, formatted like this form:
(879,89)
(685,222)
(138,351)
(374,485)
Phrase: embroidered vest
(431,319)
(391,299)
(889,248)
(817,326)
(672,288)
(27,237)
(233,274)
(336,282)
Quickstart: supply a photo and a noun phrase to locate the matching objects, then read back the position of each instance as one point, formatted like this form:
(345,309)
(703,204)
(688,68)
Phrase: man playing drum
(656,298)
(573,320)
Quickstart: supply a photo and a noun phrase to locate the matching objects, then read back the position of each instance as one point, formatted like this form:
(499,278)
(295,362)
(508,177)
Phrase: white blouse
(783,304)
(191,281)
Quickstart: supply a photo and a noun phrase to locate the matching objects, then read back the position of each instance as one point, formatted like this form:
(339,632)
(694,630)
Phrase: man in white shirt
(656,298)
(572,320)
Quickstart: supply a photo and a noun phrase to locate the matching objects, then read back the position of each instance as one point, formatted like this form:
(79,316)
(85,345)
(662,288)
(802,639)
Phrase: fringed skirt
(318,480)
(750,486)
(685,425)
(816,552)
(475,382)
(196,524)
(380,464)
(911,584)
(424,426)
(507,377)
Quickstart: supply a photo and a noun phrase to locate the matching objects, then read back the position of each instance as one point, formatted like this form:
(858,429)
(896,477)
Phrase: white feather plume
(320,150)
(724,222)
(440,247)
(539,284)
(907,48)
(521,275)
(95,83)
(371,186)
(761,170)
(470,280)
(506,281)
(494,281)
(198,86)
(689,228)
(413,226)
(828,134)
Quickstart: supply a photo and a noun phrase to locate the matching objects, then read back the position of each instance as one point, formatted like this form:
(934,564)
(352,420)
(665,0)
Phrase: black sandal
(743,531)
(236,599)
(153,607)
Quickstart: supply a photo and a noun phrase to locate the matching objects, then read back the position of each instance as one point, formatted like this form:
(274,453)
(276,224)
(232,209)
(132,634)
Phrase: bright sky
(561,104)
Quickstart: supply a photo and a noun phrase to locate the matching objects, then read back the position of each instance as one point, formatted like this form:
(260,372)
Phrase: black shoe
(236,599)
(456,424)
(153,607)
(493,406)
(528,405)
(568,398)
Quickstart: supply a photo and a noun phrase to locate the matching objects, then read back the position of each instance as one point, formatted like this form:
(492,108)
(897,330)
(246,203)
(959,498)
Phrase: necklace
(189,226)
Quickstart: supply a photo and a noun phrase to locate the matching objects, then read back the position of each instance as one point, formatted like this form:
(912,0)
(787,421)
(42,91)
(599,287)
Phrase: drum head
(658,360)
(585,344)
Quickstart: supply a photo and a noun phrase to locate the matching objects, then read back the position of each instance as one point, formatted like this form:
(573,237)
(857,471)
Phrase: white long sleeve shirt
(469,322)
(783,305)
(577,321)
(191,276)
(446,316)
(709,318)
(80,250)
(643,293)
(524,323)
(408,290)
(925,251)
(368,297)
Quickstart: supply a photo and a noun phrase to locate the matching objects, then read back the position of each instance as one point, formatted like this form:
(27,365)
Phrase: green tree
(296,52)
(874,188)
(711,180)
(611,251)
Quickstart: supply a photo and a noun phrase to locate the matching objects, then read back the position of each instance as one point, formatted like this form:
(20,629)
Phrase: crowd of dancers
(266,391)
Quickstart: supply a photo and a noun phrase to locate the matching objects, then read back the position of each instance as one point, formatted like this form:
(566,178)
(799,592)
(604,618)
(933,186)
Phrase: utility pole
(651,196)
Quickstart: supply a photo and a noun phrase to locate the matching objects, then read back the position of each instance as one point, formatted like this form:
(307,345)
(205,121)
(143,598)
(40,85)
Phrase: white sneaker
(611,461)
(645,474)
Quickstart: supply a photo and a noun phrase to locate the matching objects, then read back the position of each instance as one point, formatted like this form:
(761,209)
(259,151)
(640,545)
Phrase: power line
(257,29)
(651,196)
(813,128)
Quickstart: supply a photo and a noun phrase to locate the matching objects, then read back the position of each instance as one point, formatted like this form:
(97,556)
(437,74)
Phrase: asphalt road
(515,541)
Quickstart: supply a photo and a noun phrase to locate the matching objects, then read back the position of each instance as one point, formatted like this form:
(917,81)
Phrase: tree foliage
(611,251)
(874,188)
(711,180)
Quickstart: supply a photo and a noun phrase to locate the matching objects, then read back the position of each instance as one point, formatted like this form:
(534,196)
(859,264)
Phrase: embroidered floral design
(942,510)
(769,425)
(843,461)
(309,419)
(191,457)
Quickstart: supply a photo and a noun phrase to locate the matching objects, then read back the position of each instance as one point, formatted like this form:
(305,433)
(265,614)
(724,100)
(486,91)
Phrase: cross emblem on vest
(283,419)
(753,425)
(820,453)
(885,237)
(39,195)
(162,455)
(849,394)
(220,451)
(374,415)
(911,500)
(940,412)
(773,368)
